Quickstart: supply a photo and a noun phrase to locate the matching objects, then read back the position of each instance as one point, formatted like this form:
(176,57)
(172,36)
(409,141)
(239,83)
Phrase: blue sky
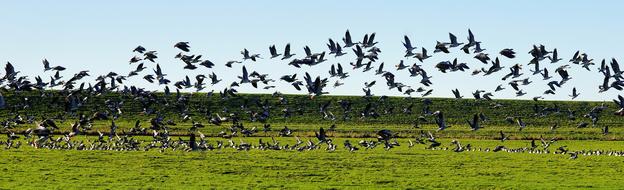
(100,37)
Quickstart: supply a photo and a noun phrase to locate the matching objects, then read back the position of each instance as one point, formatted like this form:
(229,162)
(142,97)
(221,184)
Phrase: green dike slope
(306,116)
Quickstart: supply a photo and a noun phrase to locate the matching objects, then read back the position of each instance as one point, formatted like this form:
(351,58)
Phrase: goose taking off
(503,136)
(474,124)
(439,120)
(521,124)
(322,136)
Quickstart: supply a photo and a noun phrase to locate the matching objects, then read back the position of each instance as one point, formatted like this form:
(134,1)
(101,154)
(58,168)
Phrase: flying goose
(408,46)
(508,52)
(422,56)
(245,77)
(182,46)
(555,58)
(347,39)
(521,124)
(273,52)
(574,93)
(453,42)
(440,47)
(439,120)
(456,94)
(474,124)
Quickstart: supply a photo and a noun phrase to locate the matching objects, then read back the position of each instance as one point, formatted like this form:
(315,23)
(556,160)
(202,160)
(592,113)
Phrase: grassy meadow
(402,167)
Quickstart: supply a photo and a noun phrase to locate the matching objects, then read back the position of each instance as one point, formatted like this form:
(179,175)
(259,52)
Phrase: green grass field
(401,167)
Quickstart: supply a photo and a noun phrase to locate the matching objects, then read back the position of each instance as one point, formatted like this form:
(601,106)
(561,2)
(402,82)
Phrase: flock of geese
(77,93)
(162,142)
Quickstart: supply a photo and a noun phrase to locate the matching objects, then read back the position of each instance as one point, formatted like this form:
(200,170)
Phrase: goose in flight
(477,94)
(322,136)
(620,103)
(555,58)
(335,48)
(315,87)
(367,92)
(499,88)
(615,66)
(41,131)
(422,56)
(508,52)
(453,42)
(439,120)
(545,75)
(440,47)
(245,77)
(401,66)
(368,41)
(478,48)
(134,59)
(444,66)
(46,66)
(273,52)
(380,70)
(574,93)
(213,78)
(337,83)
(287,53)
(341,73)
(247,55)
(309,53)
(520,93)
(483,57)
(537,67)
(496,66)
(459,66)
(474,124)
(139,49)
(408,46)
(503,137)
(488,96)
(184,46)
(207,63)
(471,39)
(190,66)
(150,55)
(289,78)
(456,94)
(605,83)
(563,73)
(385,135)
(521,123)
(347,39)
(602,67)
(230,63)
(576,58)
(369,85)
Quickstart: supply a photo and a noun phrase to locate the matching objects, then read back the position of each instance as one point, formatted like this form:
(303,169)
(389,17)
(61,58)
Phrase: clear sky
(100,36)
